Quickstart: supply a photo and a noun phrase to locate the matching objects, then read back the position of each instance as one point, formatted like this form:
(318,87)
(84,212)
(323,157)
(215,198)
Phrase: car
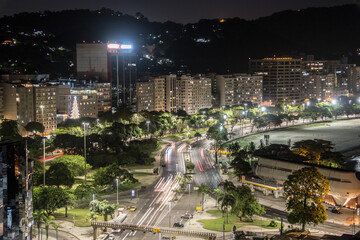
(336,210)
(132,209)
(111,237)
(163,165)
(187,216)
(166,237)
(178,224)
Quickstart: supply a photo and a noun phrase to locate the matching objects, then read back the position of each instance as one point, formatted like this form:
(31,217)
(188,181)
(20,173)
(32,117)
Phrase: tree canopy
(305,190)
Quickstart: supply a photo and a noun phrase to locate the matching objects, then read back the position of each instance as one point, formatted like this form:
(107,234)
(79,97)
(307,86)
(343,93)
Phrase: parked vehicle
(187,216)
(178,224)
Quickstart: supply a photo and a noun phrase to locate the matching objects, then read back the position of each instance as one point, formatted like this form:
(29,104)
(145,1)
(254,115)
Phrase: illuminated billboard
(116,46)
(113,46)
(126,46)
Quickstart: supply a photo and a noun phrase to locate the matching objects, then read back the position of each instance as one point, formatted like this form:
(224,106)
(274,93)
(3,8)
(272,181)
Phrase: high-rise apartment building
(45,106)
(193,93)
(281,78)
(172,93)
(16,211)
(235,89)
(318,86)
(151,95)
(103,96)
(30,102)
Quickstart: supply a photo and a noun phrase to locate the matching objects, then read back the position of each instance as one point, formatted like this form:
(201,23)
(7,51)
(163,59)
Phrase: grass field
(81,216)
(217,224)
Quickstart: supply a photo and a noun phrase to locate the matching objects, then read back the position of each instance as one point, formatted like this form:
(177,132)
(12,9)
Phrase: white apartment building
(171,93)
(235,89)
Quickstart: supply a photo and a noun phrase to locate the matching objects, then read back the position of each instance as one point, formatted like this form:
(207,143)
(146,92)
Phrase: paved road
(156,202)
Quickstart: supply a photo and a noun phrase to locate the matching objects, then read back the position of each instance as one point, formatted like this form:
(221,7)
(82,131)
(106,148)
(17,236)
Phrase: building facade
(30,103)
(239,88)
(171,93)
(16,207)
(45,106)
(281,78)
(318,86)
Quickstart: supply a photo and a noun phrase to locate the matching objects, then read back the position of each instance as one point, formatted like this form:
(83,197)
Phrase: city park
(103,156)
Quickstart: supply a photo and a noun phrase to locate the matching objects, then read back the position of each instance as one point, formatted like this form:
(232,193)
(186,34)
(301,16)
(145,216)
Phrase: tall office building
(16,211)
(281,78)
(108,63)
(235,89)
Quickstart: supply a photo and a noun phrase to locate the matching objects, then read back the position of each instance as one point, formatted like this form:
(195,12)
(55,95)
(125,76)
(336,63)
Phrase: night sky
(181,11)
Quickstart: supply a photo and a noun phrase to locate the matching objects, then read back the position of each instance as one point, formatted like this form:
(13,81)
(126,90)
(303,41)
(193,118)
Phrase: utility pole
(117,80)
(43,121)
(124,88)
(85,125)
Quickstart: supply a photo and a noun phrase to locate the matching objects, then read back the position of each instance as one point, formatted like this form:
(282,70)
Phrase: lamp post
(42,120)
(147,123)
(117,191)
(85,125)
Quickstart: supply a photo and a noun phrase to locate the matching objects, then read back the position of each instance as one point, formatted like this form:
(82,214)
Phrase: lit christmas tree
(75,110)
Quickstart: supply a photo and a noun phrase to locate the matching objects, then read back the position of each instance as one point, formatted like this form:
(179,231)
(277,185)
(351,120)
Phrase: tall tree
(49,199)
(35,127)
(245,205)
(59,174)
(305,190)
(203,189)
(218,133)
(9,130)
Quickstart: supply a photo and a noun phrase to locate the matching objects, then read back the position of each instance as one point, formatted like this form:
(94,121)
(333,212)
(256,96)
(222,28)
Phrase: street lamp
(117,191)
(85,125)
(333,102)
(187,131)
(263,109)
(147,123)
(42,120)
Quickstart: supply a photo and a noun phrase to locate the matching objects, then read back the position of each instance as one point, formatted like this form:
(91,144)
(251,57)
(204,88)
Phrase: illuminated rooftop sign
(126,46)
(116,46)
(113,46)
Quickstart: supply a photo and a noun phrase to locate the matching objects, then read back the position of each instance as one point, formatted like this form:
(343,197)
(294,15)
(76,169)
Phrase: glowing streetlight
(85,125)
(263,109)
(308,103)
(147,123)
(333,102)
(117,191)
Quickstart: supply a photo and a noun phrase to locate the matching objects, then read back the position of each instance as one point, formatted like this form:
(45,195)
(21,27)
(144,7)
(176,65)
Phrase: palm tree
(227,185)
(38,218)
(56,227)
(203,189)
(218,193)
(227,200)
(47,221)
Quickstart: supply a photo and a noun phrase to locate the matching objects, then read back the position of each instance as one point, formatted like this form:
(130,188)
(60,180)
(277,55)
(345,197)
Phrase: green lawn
(81,216)
(217,224)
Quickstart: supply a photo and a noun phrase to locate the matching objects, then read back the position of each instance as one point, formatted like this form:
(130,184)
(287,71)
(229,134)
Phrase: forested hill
(217,45)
